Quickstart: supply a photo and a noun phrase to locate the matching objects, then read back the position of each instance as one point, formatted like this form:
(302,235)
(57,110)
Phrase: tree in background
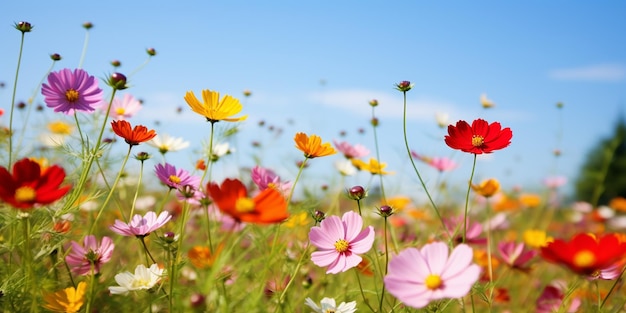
(603,175)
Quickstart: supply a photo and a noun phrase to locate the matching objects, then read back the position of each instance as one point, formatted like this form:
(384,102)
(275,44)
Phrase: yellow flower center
(341,245)
(244,205)
(120,111)
(175,179)
(71,95)
(477,140)
(25,194)
(330,311)
(584,258)
(433,282)
(60,128)
(140,282)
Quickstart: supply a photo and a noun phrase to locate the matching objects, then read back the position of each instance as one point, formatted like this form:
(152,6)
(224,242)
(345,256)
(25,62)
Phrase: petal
(459,260)
(324,258)
(353,223)
(363,242)
(436,255)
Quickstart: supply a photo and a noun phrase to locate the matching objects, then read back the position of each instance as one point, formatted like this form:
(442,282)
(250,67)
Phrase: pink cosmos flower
(554,182)
(417,277)
(141,225)
(442,164)
(265,178)
(551,299)
(474,230)
(81,258)
(175,179)
(67,91)
(516,255)
(350,151)
(339,241)
(125,108)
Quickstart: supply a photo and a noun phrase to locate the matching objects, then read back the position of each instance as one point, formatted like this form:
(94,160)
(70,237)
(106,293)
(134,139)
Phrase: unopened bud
(87,25)
(373,102)
(357,193)
(117,81)
(116,63)
(151,52)
(385,211)
(24,27)
(55,57)
(404,86)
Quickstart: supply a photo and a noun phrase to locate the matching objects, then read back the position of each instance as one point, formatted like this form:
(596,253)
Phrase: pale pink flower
(417,277)
(350,151)
(81,258)
(340,241)
(474,230)
(141,225)
(554,182)
(516,255)
(125,108)
(551,299)
(442,164)
(265,178)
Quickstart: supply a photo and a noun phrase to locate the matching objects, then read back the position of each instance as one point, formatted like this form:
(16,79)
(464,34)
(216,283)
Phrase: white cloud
(389,105)
(598,72)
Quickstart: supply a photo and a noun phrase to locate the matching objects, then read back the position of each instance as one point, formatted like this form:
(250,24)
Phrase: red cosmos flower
(585,254)
(269,206)
(133,136)
(479,138)
(30,185)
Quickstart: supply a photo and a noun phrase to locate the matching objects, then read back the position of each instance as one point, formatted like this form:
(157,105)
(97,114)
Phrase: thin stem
(17,71)
(469,187)
(616,281)
(295,273)
(489,264)
(108,198)
(358,279)
(174,274)
(382,188)
(132,207)
(419,176)
(382,294)
(29,264)
(84,52)
(145,248)
(92,283)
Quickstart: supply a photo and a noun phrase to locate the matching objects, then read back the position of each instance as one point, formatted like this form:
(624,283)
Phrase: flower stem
(382,188)
(469,187)
(419,176)
(29,265)
(358,279)
(382,293)
(616,281)
(84,52)
(145,248)
(108,198)
(92,283)
(17,71)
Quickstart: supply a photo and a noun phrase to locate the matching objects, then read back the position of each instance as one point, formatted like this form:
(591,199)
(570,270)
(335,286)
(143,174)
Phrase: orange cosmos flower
(312,146)
(487,188)
(214,109)
(201,256)
(132,136)
(585,254)
(269,206)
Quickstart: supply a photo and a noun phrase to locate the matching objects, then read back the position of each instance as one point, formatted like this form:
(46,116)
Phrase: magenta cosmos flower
(141,226)
(339,241)
(67,91)
(516,255)
(81,258)
(175,179)
(417,277)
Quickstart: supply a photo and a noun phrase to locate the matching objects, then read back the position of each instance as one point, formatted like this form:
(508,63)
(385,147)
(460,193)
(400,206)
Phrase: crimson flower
(132,136)
(481,137)
(30,185)
(585,254)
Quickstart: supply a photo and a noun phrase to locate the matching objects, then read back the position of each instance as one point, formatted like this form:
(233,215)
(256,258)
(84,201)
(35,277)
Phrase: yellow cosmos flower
(399,203)
(530,200)
(536,238)
(297,220)
(485,102)
(67,300)
(312,146)
(60,128)
(487,188)
(373,166)
(213,108)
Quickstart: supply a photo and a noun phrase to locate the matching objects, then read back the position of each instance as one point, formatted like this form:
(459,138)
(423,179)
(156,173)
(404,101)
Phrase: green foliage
(601,177)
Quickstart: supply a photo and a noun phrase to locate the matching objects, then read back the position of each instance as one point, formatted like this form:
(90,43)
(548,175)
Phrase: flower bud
(404,86)
(55,57)
(318,216)
(142,156)
(87,25)
(373,102)
(21,105)
(197,300)
(374,122)
(385,211)
(24,27)
(169,237)
(151,52)
(357,193)
(247,93)
(117,81)
(116,63)
(559,104)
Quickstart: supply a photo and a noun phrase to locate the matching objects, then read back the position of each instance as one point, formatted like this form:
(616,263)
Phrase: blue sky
(317,64)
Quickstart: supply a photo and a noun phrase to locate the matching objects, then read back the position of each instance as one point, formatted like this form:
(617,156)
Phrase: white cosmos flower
(166,143)
(143,279)
(442,119)
(329,305)
(345,167)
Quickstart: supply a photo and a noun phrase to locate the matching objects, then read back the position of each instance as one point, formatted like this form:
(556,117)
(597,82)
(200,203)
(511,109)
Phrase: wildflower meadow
(95,216)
